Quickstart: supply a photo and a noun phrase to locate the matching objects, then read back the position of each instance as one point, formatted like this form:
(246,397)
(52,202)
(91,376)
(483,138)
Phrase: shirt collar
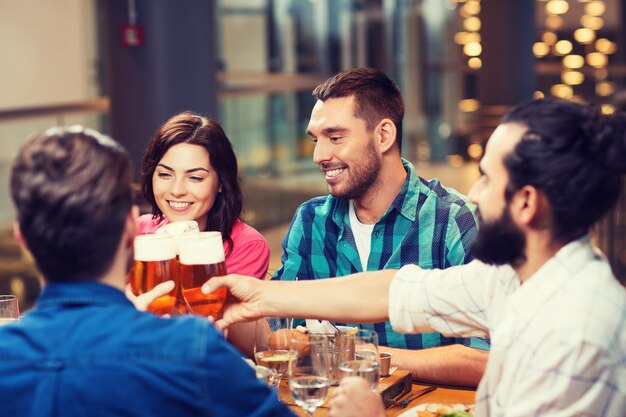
(81,293)
(405,202)
(407,199)
(551,277)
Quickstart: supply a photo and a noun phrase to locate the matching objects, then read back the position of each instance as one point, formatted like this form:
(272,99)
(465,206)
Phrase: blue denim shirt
(85,351)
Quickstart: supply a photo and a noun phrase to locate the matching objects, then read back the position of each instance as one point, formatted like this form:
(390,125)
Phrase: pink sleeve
(250,255)
(251,258)
(146,225)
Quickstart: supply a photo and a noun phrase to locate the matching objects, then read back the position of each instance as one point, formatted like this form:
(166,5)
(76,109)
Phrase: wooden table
(445,395)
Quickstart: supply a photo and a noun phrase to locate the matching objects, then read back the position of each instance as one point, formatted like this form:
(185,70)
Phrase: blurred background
(125,66)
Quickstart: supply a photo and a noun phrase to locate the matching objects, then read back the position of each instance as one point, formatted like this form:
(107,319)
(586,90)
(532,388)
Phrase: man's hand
(355,398)
(142,301)
(244,302)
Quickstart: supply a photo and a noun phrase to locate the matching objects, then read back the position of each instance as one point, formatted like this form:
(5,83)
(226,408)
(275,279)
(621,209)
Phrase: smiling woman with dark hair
(189,172)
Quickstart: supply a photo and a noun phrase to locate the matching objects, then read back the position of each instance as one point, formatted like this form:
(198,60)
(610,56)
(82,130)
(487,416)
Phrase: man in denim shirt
(84,349)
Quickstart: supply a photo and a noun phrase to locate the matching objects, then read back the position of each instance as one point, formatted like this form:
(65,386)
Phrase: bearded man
(546,297)
(380,215)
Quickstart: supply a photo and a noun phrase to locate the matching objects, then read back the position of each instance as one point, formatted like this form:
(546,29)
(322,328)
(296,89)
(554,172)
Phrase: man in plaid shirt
(548,299)
(379,215)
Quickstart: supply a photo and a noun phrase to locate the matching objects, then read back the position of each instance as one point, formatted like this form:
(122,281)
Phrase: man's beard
(362,177)
(499,242)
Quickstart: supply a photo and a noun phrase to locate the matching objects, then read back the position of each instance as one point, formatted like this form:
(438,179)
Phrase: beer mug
(201,258)
(155,262)
(176,230)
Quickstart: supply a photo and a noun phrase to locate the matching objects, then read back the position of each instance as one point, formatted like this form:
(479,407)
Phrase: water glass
(308,372)
(338,347)
(9,309)
(365,362)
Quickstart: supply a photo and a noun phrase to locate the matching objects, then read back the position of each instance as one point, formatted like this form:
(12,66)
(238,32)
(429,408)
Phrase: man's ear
(19,237)
(528,207)
(130,226)
(386,132)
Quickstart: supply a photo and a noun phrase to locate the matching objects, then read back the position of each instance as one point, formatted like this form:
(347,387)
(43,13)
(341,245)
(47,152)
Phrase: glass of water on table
(309,372)
(364,361)
(9,309)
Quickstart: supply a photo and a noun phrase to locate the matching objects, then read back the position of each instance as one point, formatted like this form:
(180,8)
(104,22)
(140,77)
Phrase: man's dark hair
(72,191)
(376,96)
(575,155)
(191,128)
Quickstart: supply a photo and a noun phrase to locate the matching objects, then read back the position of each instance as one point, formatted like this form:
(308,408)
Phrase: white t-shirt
(362,236)
(558,342)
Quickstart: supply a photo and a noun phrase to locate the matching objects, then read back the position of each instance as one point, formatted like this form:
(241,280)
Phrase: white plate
(411,412)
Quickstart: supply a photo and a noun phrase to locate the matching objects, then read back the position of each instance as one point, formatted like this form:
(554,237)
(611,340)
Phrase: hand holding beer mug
(202,258)
(155,262)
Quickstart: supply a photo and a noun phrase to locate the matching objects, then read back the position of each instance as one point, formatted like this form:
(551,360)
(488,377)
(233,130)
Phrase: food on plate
(457,414)
(444,410)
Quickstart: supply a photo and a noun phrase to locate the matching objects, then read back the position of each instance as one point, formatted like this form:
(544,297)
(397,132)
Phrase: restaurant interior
(123,67)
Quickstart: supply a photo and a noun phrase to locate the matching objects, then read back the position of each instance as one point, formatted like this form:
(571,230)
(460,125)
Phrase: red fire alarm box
(132,35)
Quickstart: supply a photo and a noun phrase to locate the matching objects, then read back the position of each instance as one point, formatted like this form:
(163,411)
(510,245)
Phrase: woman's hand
(142,301)
(355,398)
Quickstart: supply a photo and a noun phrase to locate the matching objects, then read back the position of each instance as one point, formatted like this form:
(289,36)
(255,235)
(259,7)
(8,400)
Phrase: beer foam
(179,228)
(154,248)
(201,248)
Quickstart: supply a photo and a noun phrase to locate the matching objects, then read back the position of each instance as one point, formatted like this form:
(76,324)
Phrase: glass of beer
(202,258)
(155,262)
(176,230)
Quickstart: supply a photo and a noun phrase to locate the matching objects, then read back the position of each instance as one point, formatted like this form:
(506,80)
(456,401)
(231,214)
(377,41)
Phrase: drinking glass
(202,258)
(9,309)
(308,372)
(155,262)
(176,230)
(272,337)
(365,361)
(338,347)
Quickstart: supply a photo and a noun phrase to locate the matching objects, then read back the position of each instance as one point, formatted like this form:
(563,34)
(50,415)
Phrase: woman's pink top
(250,255)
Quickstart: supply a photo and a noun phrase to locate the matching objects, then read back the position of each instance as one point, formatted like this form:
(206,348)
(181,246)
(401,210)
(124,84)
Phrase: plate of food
(440,410)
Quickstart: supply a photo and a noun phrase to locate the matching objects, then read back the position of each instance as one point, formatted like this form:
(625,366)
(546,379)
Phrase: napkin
(316,326)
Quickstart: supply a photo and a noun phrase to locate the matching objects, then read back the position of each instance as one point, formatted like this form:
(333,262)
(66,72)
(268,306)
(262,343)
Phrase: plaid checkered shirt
(427,224)
(558,342)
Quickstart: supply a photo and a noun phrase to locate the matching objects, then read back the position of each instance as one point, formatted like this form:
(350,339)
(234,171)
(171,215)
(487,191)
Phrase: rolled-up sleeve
(453,302)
